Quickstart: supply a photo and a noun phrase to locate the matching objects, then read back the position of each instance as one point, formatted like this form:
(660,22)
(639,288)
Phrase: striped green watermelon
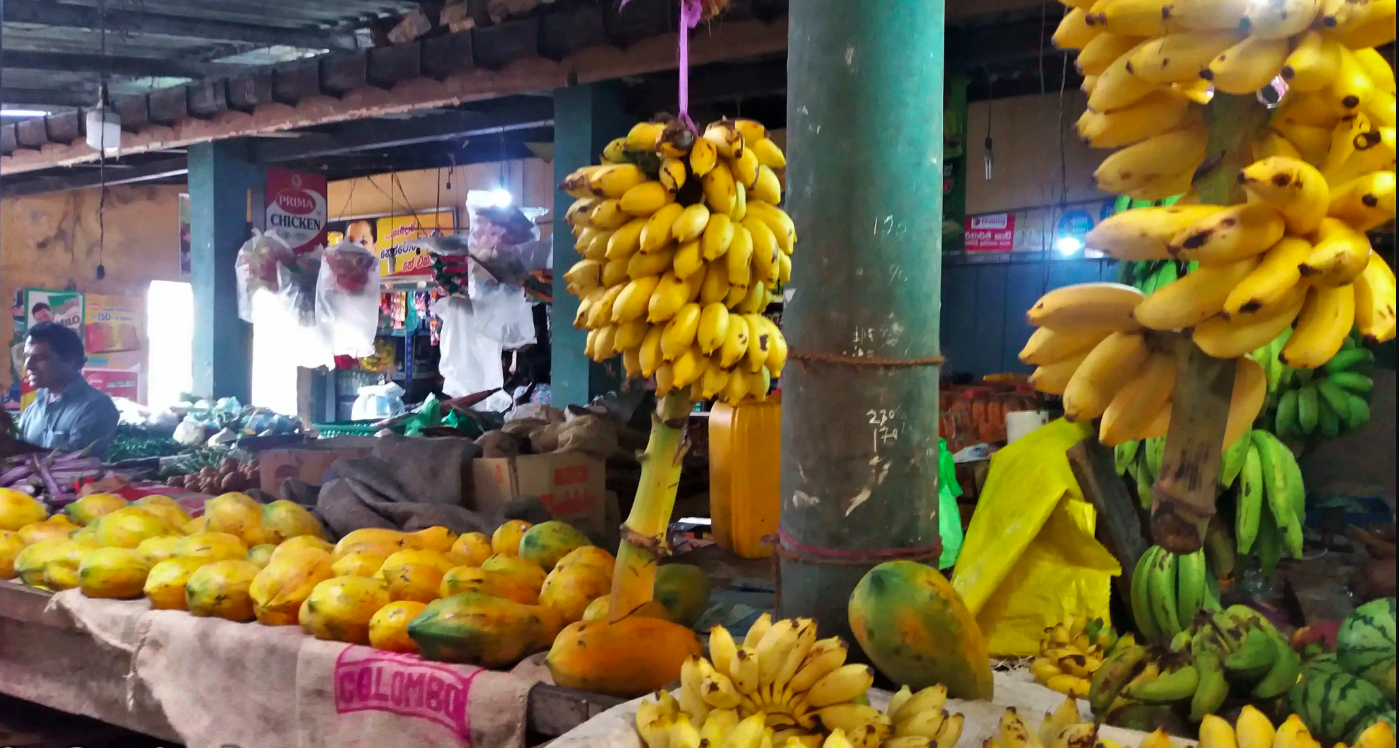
(1336,706)
(1365,644)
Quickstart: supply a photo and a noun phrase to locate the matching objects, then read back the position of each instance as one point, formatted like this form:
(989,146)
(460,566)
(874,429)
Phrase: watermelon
(1325,662)
(1336,706)
(1365,644)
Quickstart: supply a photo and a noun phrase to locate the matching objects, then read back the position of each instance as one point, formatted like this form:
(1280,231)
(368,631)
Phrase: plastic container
(745,455)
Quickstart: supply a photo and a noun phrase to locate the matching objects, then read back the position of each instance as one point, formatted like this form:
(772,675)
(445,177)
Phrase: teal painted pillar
(864,186)
(585,119)
(220,178)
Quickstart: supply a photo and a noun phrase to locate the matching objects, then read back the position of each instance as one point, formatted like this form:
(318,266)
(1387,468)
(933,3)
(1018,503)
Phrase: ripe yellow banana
(603,343)
(739,259)
(1101,50)
(1370,25)
(1157,113)
(1253,730)
(716,282)
(841,685)
(1047,346)
(777,220)
(1107,368)
(725,137)
(1154,161)
(614,180)
(1117,87)
(768,153)
(1279,19)
(1073,31)
(1351,88)
(777,348)
(1311,142)
(1246,399)
(1053,378)
(1322,326)
(645,199)
(718,234)
(586,275)
(929,699)
(766,188)
(759,342)
(1279,271)
(687,260)
(1380,109)
(735,345)
(643,264)
(689,367)
(1374,300)
(1316,109)
(579,183)
(670,295)
(720,191)
(1209,15)
(1143,18)
(1366,202)
(1231,338)
(736,388)
(1313,64)
(1135,406)
(625,241)
(1291,185)
(690,223)
(1233,234)
(1089,83)
(1368,152)
(680,331)
(655,235)
(649,354)
(631,304)
(578,212)
(1194,298)
(713,327)
(824,658)
(1179,58)
(644,135)
(1376,66)
(1271,144)
(592,244)
(1087,306)
(600,312)
(1160,424)
(745,168)
(631,334)
(1339,255)
(927,723)
(1291,732)
(1144,233)
(614,272)
(1247,66)
(740,202)
(765,251)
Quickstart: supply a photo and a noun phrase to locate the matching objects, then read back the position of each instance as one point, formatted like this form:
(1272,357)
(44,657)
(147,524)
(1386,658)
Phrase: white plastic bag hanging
(470,360)
(347,300)
(256,268)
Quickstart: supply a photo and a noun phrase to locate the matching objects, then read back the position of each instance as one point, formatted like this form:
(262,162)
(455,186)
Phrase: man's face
(43,315)
(43,367)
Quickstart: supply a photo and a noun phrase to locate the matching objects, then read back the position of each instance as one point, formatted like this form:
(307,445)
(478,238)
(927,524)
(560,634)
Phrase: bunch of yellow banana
(1253,729)
(1093,348)
(797,691)
(1150,64)
(683,247)
(1070,653)
(1061,728)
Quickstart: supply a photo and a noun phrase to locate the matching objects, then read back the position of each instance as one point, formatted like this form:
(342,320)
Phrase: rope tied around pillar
(875,362)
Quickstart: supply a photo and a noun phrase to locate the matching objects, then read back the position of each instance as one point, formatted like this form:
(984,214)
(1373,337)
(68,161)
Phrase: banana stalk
(644,533)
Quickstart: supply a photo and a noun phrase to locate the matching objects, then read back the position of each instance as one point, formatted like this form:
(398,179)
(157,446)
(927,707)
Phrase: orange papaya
(547,542)
(604,657)
(477,629)
(917,631)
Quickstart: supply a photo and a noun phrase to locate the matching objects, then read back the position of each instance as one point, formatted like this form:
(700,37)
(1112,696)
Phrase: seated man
(67,412)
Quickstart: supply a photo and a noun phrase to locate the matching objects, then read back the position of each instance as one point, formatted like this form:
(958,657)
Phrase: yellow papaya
(569,590)
(236,514)
(159,548)
(547,542)
(358,564)
(388,629)
(52,528)
(61,572)
(279,589)
(113,573)
(506,539)
(10,547)
(683,590)
(603,657)
(165,584)
(19,509)
(262,554)
(472,549)
(196,526)
(438,539)
(527,571)
(128,526)
(340,609)
(589,555)
(409,556)
(31,560)
(419,582)
(221,590)
(92,507)
(478,629)
(283,520)
(917,631)
(493,582)
(303,541)
(219,546)
(164,507)
(373,540)
(598,609)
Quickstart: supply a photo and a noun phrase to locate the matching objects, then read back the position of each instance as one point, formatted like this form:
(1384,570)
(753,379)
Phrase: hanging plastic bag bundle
(256,268)
(347,300)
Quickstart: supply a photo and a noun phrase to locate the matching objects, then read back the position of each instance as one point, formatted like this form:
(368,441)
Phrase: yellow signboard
(395,231)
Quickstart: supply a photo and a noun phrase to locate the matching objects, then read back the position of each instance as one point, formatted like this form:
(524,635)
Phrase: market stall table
(210,682)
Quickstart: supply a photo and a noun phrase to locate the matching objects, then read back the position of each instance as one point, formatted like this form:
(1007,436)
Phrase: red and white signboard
(297,208)
(993,232)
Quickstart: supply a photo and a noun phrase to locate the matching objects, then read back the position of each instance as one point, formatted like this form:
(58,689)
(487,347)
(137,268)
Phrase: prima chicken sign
(297,208)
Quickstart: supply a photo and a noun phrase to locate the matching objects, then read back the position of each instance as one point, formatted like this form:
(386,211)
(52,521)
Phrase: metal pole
(860,400)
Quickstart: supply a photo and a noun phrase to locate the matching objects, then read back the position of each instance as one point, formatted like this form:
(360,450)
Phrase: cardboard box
(572,486)
(309,462)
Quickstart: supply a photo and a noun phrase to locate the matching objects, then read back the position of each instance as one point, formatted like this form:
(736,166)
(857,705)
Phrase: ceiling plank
(726,41)
(139,67)
(171,167)
(48,96)
(65,15)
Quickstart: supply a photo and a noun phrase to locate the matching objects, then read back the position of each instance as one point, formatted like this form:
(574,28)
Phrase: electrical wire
(101,271)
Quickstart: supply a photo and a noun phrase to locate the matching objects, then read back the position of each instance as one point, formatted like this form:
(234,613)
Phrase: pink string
(690,13)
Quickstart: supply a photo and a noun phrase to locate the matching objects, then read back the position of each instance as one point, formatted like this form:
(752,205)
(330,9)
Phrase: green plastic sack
(428,415)
(1030,559)
(949,517)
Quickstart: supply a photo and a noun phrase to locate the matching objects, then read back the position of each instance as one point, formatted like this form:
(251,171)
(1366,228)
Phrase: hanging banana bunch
(683,247)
